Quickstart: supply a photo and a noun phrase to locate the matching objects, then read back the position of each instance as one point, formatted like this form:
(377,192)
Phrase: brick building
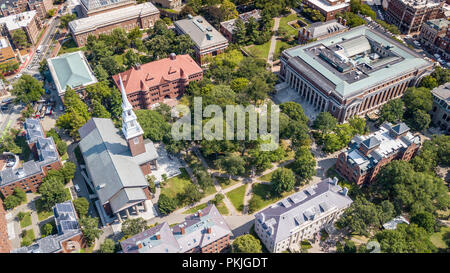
(26,21)
(29,175)
(328,8)
(352,73)
(410,15)
(69,237)
(440,114)
(11,7)
(153,82)
(116,164)
(301,216)
(435,37)
(227,27)
(203,232)
(5,244)
(207,40)
(321,30)
(361,162)
(143,16)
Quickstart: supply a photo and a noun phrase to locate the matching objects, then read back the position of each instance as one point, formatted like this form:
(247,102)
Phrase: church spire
(130,127)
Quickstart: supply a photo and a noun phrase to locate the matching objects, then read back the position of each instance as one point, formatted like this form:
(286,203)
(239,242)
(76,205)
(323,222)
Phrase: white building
(301,215)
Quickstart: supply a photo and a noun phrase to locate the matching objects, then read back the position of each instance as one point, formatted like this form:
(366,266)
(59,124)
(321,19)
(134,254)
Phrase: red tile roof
(157,72)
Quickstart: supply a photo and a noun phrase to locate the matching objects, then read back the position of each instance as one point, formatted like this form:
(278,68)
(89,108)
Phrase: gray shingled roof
(371,142)
(400,128)
(201,32)
(300,207)
(150,244)
(109,162)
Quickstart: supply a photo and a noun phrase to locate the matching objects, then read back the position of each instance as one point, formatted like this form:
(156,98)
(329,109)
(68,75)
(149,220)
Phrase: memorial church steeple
(130,127)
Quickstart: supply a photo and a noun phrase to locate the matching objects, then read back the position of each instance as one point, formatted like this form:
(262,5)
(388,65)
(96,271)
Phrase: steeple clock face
(136,140)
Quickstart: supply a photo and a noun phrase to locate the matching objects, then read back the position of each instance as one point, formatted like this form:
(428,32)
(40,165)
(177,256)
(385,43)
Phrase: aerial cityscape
(224,126)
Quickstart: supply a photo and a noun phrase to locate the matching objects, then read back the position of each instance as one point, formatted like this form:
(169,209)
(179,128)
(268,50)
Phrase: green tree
(239,33)
(11,202)
(65,19)
(19,193)
(191,194)
(392,111)
(99,111)
(294,111)
(325,122)
(27,89)
(283,180)
(47,230)
(108,246)
(53,192)
(19,38)
(304,164)
(232,165)
(81,206)
(405,239)
(68,171)
(89,227)
(428,82)
(227,10)
(442,75)
(153,123)
(360,217)
(166,205)
(247,244)
(76,115)
(133,226)
(424,220)
(100,73)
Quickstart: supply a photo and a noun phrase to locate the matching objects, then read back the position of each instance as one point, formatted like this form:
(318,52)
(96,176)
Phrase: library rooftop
(351,73)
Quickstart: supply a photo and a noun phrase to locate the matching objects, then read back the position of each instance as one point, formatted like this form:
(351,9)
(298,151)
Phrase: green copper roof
(410,62)
(71,70)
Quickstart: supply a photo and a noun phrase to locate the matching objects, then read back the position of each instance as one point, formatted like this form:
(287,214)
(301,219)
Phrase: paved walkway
(273,40)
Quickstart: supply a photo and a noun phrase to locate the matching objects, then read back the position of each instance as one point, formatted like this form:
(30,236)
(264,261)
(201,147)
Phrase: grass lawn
(223,182)
(437,238)
(70,46)
(278,46)
(236,197)
(42,214)
(268,177)
(260,51)
(284,24)
(221,207)
(176,184)
(27,237)
(26,221)
(262,190)
(210,190)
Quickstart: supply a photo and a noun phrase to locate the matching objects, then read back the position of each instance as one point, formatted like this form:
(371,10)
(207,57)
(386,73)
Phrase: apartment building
(28,176)
(203,232)
(352,73)
(27,21)
(153,82)
(11,7)
(410,15)
(435,37)
(328,8)
(362,160)
(301,216)
(440,114)
(208,41)
(69,237)
(227,27)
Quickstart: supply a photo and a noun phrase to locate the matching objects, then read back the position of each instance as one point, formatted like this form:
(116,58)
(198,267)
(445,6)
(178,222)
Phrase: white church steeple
(130,127)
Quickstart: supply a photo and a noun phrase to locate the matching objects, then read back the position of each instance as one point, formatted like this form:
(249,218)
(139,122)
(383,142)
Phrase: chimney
(304,30)
(172,56)
(199,213)
(139,244)
(209,230)
(345,191)
(335,180)
(158,236)
(137,66)
(183,231)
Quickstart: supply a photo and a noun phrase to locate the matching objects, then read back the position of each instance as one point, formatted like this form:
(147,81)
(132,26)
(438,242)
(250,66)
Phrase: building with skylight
(361,162)
(301,216)
(352,73)
(71,69)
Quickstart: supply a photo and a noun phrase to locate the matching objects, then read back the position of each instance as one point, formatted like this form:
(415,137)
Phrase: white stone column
(118,217)
(145,206)
(137,210)
(127,212)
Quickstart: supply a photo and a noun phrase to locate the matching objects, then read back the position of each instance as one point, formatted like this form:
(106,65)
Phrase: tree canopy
(247,244)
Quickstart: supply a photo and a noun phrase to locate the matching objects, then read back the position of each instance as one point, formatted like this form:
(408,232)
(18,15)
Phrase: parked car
(77,188)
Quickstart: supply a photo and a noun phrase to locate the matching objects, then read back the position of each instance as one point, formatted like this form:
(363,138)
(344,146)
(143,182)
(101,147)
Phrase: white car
(77,188)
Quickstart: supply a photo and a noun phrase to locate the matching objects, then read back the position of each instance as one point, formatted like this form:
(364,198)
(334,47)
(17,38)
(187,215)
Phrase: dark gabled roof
(400,128)
(371,142)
